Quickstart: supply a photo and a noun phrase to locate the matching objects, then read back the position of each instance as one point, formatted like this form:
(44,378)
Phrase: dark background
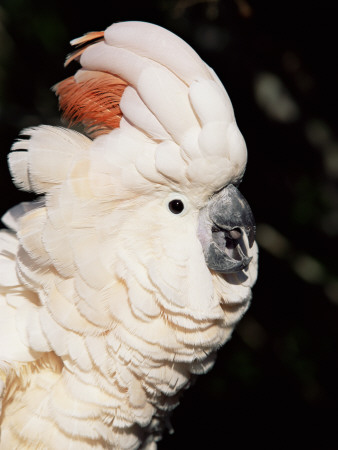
(275,383)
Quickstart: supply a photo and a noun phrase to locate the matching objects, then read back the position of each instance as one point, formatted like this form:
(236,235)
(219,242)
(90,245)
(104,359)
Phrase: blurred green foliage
(275,383)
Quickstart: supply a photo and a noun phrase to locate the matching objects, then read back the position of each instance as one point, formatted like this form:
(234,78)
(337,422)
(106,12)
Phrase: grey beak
(226,231)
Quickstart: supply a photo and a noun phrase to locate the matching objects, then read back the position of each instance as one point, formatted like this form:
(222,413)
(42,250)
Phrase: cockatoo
(136,261)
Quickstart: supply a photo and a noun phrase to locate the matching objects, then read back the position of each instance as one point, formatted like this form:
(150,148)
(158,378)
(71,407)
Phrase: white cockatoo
(136,261)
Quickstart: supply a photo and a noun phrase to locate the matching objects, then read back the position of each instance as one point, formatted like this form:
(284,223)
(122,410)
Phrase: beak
(226,230)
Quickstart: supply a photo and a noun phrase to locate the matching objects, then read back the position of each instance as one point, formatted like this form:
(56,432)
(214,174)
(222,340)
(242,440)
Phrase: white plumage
(107,305)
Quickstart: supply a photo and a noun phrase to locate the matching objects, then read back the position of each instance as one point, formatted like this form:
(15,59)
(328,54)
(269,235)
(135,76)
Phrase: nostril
(236,233)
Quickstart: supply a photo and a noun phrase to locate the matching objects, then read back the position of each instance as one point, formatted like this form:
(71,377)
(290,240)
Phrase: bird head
(167,123)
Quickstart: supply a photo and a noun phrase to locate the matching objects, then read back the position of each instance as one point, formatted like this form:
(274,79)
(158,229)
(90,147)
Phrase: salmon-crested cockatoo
(136,261)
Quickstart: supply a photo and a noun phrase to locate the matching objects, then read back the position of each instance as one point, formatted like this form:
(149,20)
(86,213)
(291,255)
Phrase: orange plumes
(83,42)
(93,99)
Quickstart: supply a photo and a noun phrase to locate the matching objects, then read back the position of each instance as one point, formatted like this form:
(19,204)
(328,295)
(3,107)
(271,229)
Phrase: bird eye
(176,206)
(177,203)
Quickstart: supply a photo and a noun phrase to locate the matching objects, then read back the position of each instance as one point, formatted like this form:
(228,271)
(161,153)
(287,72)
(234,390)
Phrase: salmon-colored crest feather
(93,99)
(90,97)
(83,42)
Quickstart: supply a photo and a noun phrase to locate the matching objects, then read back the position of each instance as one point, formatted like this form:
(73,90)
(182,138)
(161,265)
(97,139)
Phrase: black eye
(176,206)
